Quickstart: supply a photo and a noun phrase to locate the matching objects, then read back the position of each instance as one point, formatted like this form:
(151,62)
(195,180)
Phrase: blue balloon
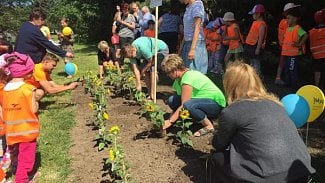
(297,108)
(70,68)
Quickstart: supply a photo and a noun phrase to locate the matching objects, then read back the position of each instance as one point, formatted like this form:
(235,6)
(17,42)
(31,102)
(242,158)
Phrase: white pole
(156,51)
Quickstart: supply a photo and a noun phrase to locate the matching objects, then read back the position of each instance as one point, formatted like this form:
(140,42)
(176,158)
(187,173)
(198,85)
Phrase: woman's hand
(191,54)
(257,52)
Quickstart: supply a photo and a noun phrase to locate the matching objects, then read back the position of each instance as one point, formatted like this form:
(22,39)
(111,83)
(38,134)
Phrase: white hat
(289,6)
(229,16)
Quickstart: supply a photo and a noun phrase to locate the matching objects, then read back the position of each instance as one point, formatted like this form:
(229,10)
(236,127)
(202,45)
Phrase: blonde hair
(102,45)
(50,56)
(242,82)
(171,63)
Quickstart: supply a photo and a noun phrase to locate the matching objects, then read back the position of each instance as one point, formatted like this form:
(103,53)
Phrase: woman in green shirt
(194,92)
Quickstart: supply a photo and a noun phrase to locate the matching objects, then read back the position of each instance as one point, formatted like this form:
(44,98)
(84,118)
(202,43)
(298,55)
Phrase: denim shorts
(200,61)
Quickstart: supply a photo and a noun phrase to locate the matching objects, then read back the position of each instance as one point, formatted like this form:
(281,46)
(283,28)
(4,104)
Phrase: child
(255,41)
(293,47)
(19,109)
(67,40)
(213,45)
(106,55)
(317,45)
(233,35)
(150,32)
(283,25)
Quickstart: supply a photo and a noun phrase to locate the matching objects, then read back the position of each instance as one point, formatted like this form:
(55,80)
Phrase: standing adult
(138,16)
(31,41)
(256,140)
(169,26)
(126,23)
(193,50)
(146,16)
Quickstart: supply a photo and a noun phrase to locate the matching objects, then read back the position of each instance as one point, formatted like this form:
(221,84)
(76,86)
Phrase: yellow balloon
(76,69)
(67,31)
(315,99)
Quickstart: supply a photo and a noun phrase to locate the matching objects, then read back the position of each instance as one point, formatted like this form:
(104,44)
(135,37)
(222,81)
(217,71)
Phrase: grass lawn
(57,115)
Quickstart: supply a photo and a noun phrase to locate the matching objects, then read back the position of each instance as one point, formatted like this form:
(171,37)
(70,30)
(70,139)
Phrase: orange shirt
(253,35)
(317,42)
(38,75)
(2,131)
(149,33)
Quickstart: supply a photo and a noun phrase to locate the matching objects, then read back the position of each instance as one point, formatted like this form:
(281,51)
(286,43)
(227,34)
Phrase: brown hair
(172,62)
(50,56)
(242,82)
(126,50)
(37,13)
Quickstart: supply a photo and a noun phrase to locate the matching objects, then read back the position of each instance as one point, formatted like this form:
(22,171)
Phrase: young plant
(116,157)
(140,97)
(184,123)
(153,113)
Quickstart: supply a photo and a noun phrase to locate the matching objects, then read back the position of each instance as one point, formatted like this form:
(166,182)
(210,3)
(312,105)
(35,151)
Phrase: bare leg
(100,71)
(207,125)
(136,73)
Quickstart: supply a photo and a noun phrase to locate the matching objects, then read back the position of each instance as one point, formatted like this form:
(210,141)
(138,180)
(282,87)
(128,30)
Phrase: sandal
(203,131)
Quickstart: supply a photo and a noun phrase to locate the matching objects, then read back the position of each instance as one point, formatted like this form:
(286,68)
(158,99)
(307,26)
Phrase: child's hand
(257,51)
(118,8)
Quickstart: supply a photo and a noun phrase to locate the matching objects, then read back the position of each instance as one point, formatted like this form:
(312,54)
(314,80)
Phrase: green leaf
(101,146)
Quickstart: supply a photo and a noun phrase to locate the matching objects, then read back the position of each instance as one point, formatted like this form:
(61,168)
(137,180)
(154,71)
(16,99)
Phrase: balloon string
(307,134)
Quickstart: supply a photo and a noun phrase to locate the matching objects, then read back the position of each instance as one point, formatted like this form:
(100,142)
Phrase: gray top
(126,31)
(264,143)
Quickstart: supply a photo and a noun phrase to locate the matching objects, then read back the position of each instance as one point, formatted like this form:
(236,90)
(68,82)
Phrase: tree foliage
(92,19)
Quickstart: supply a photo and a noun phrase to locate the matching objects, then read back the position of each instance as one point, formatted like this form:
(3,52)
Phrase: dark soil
(152,159)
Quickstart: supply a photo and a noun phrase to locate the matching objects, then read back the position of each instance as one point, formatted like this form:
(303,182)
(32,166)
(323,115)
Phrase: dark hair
(65,19)
(151,22)
(294,12)
(37,13)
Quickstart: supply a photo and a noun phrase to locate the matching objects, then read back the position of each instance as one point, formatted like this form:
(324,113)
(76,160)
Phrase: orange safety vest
(252,37)
(2,126)
(317,42)
(212,44)
(224,28)
(283,26)
(21,123)
(289,39)
(230,31)
(149,33)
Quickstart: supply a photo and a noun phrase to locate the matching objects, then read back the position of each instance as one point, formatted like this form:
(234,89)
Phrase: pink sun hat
(18,64)
(259,8)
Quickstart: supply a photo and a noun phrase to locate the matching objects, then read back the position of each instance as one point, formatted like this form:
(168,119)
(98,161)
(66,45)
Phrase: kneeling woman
(194,92)
(256,140)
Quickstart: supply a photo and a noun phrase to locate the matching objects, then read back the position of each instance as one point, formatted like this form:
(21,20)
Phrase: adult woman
(264,145)
(194,92)
(126,23)
(194,52)
(169,27)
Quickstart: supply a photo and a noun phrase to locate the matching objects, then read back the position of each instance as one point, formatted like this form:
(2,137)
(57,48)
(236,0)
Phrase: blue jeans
(199,108)
(200,61)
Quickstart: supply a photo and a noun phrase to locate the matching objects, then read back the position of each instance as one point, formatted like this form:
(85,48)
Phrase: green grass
(57,116)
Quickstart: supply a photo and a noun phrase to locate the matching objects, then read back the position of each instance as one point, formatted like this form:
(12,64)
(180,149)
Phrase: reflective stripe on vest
(253,35)
(20,121)
(14,134)
(317,42)
(283,25)
(291,38)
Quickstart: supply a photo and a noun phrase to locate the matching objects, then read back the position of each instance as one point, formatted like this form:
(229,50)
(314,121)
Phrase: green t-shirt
(202,86)
(301,33)
(146,47)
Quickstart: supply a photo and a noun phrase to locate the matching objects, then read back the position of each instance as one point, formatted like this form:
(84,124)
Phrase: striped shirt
(170,23)
(126,31)
(194,10)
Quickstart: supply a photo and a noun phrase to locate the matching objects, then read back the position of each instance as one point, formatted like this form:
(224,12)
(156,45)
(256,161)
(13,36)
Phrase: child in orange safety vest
(317,45)
(256,38)
(19,109)
(293,47)
(233,37)
(212,39)
(283,26)
(150,32)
